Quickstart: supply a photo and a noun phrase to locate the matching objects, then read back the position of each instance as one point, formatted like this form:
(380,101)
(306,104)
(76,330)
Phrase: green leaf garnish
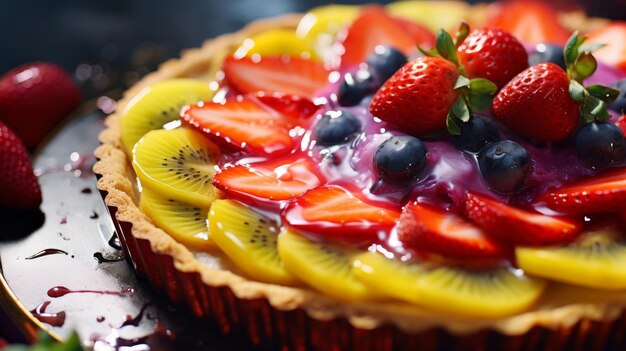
(428,52)
(461,33)
(570,51)
(591,47)
(461,82)
(460,109)
(452,124)
(584,66)
(606,94)
(576,91)
(445,46)
(594,109)
(482,85)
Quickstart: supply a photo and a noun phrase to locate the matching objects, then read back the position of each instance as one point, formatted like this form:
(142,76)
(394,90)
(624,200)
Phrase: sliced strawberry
(420,34)
(291,75)
(373,27)
(423,227)
(614,37)
(621,123)
(338,214)
(287,104)
(518,226)
(531,22)
(244,123)
(267,183)
(605,192)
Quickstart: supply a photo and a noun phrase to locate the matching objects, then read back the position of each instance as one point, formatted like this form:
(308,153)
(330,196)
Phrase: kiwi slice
(596,259)
(471,292)
(156,105)
(179,164)
(325,267)
(185,223)
(249,239)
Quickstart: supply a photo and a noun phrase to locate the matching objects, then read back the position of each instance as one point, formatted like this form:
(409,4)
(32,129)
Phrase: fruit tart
(359,178)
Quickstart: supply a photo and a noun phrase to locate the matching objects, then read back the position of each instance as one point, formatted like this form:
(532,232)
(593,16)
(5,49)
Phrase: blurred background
(110,44)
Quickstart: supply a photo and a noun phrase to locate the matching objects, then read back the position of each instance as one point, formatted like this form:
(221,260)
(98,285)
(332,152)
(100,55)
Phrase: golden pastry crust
(561,307)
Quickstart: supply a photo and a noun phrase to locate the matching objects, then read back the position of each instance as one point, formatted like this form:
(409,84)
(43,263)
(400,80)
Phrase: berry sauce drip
(94,215)
(56,319)
(60,291)
(46,252)
(114,242)
(134,321)
(86,191)
(105,258)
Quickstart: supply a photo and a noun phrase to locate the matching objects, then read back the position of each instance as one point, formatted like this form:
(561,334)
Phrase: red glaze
(517,226)
(290,105)
(373,27)
(418,97)
(18,184)
(245,123)
(493,54)
(605,192)
(290,75)
(536,104)
(530,21)
(334,213)
(424,227)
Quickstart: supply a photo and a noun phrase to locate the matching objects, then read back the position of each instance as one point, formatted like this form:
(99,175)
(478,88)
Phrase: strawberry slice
(603,193)
(244,123)
(531,22)
(336,213)
(373,27)
(420,34)
(614,53)
(265,184)
(284,74)
(423,227)
(518,226)
(291,105)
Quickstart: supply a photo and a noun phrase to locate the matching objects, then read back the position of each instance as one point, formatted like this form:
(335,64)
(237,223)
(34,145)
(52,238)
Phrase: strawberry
(418,97)
(373,27)
(421,35)
(518,226)
(267,183)
(531,22)
(621,123)
(423,227)
(286,104)
(537,104)
(245,123)
(493,54)
(614,36)
(290,75)
(336,213)
(18,184)
(34,97)
(605,192)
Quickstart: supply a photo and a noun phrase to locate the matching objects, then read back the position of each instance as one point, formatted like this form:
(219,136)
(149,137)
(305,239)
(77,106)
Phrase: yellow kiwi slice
(249,239)
(470,292)
(178,164)
(320,26)
(596,259)
(156,105)
(325,267)
(275,42)
(185,223)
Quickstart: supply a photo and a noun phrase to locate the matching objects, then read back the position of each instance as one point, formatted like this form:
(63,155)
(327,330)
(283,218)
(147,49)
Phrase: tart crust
(560,309)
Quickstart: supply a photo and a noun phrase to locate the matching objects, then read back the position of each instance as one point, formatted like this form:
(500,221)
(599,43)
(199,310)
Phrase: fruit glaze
(466,175)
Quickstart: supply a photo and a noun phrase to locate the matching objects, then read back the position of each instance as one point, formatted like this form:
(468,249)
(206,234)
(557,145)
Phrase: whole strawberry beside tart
(379,184)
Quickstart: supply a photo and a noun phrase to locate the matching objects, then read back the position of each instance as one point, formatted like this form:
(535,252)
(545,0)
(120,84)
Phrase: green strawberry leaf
(461,82)
(479,101)
(452,124)
(577,91)
(606,94)
(594,109)
(570,51)
(591,47)
(482,85)
(460,109)
(461,33)
(445,46)
(428,52)
(584,66)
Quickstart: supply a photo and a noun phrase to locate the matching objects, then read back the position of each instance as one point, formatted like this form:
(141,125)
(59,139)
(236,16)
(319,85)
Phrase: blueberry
(600,144)
(384,61)
(336,127)
(619,104)
(475,134)
(355,86)
(505,165)
(400,159)
(547,53)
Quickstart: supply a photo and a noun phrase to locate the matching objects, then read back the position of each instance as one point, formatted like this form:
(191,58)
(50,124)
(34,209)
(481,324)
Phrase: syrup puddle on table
(60,291)
(54,319)
(46,252)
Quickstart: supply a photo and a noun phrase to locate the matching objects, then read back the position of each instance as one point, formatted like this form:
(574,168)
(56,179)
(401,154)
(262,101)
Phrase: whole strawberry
(537,104)
(493,54)
(418,97)
(18,184)
(34,97)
